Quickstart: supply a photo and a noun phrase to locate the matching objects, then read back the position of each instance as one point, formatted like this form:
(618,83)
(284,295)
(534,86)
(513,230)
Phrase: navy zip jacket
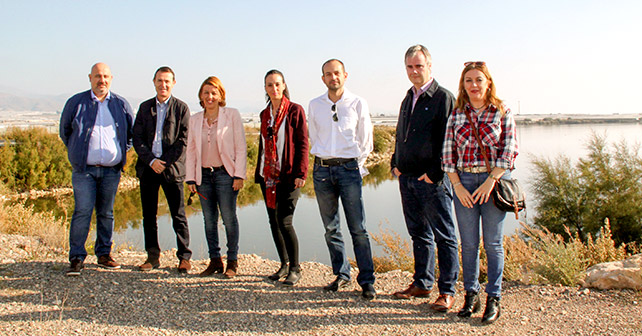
(420,133)
(78,119)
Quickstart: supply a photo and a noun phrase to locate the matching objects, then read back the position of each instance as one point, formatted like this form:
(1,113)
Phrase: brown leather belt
(475,169)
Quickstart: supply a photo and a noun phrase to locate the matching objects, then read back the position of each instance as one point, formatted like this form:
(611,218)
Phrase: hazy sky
(550,56)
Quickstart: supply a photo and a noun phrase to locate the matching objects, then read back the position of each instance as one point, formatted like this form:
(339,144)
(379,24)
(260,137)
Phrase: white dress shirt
(348,137)
(104,148)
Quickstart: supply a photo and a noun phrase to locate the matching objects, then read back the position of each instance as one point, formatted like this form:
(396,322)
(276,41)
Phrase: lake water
(381,198)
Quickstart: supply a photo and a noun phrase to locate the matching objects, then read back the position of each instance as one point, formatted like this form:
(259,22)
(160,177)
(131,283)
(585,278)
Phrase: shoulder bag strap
(481,146)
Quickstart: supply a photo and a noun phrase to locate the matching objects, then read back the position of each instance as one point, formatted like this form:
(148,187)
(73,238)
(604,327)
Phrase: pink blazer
(230,138)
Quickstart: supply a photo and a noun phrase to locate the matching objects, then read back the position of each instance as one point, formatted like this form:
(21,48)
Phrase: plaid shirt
(497,133)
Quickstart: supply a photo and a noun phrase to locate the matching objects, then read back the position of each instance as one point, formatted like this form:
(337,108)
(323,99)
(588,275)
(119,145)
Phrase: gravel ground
(36,298)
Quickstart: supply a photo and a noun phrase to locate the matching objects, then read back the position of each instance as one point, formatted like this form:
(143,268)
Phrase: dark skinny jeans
(283,233)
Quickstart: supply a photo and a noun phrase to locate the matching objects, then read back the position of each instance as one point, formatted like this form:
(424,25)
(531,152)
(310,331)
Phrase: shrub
(383,139)
(606,184)
(38,160)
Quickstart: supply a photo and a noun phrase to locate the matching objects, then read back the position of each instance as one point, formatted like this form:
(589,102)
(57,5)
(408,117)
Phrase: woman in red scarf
(281,170)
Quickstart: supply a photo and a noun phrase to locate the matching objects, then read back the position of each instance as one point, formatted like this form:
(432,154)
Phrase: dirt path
(36,298)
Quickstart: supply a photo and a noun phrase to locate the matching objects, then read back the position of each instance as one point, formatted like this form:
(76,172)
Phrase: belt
(332,162)
(99,166)
(475,169)
(213,169)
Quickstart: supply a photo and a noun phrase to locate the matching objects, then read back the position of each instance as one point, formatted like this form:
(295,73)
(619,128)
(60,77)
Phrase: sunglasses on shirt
(335,117)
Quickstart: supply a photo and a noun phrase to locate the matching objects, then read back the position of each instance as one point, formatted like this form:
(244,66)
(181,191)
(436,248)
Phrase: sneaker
(75,267)
(107,262)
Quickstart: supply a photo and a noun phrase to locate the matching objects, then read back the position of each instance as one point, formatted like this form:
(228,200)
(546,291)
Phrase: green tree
(605,184)
(38,160)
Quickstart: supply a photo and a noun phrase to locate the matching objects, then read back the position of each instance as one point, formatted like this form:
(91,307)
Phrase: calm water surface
(380,193)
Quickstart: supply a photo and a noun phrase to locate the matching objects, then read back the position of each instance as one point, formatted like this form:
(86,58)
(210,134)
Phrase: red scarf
(271,166)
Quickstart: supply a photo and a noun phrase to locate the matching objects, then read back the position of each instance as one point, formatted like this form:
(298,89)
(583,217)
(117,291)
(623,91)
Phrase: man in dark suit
(160,138)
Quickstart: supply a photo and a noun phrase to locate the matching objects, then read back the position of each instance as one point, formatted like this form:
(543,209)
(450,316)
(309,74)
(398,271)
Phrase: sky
(545,56)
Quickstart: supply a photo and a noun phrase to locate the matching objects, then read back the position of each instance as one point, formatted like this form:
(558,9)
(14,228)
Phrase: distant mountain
(11,102)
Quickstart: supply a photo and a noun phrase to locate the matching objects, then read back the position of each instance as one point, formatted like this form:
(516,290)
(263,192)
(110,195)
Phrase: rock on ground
(616,274)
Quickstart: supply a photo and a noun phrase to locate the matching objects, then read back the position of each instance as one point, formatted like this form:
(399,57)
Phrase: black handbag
(507,194)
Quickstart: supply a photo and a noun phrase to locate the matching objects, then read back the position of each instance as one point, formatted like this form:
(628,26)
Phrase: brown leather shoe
(215,266)
(443,303)
(232,266)
(184,266)
(106,261)
(148,265)
(411,291)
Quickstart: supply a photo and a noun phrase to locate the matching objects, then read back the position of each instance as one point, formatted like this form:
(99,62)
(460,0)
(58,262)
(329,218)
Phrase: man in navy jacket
(160,139)
(96,127)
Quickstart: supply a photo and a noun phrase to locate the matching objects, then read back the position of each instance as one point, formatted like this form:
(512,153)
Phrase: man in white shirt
(340,133)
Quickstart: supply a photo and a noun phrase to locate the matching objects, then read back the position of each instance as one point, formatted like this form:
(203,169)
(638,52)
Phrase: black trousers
(150,182)
(283,233)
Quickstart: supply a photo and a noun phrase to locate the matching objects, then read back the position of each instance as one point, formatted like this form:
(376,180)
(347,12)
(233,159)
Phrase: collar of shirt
(416,94)
(158,102)
(94,98)
(346,96)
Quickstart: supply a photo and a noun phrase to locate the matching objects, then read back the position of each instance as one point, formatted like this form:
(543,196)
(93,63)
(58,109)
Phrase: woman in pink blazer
(215,164)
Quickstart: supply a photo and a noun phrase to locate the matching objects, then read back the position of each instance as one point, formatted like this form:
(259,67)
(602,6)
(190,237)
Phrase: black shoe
(492,311)
(472,304)
(293,277)
(369,292)
(75,267)
(337,284)
(283,271)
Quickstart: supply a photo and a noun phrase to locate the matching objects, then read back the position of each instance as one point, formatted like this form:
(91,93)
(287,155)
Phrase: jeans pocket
(352,165)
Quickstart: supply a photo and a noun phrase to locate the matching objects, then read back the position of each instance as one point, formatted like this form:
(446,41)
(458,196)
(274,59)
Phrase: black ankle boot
(472,304)
(293,277)
(283,271)
(492,311)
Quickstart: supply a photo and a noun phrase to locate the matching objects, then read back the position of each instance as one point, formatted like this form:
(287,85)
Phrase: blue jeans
(492,227)
(427,208)
(96,187)
(217,188)
(344,182)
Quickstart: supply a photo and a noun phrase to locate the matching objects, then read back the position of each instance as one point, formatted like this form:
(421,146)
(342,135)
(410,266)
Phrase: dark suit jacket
(420,133)
(174,140)
(295,152)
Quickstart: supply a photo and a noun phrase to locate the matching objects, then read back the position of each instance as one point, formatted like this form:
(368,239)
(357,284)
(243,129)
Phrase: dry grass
(532,255)
(397,252)
(20,219)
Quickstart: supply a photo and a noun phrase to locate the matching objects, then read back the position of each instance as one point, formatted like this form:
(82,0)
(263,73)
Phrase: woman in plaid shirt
(463,161)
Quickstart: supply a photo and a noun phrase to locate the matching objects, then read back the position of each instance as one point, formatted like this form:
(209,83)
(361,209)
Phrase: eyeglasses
(475,64)
(335,117)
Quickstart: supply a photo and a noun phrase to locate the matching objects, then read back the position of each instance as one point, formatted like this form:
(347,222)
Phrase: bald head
(100,79)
